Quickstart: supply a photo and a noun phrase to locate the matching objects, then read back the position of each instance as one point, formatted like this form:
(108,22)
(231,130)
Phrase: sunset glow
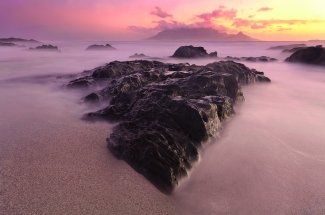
(128,20)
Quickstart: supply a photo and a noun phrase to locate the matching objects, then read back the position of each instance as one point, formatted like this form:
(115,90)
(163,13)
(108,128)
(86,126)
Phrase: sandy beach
(54,163)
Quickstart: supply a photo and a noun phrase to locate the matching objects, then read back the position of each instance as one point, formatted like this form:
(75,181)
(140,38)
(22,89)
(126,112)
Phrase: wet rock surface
(45,48)
(310,55)
(165,111)
(100,47)
(138,55)
(292,50)
(7,44)
(252,59)
(192,52)
(17,40)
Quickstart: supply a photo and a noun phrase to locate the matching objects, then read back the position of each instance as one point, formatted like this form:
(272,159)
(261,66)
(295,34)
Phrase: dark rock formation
(213,54)
(192,52)
(136,55)
(100,47)
(7,44)
(291,46)
(292,50)
(252,59)
(45,48)
(145,57)
(17,40)
(311,55)
(166,111)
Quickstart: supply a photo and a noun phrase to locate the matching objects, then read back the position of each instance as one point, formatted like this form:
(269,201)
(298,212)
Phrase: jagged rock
(136,55)
(81,82)
(100,47)
(310,55)
(17,40)
(213,54)
(292,50)
(192,52)
(252,59)
(45,48)
(145,57)
(166,111)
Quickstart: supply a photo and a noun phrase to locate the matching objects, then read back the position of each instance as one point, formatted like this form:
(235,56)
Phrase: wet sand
(270,158)
(54,163)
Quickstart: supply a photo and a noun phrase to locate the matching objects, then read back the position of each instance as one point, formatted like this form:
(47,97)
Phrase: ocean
(269,158)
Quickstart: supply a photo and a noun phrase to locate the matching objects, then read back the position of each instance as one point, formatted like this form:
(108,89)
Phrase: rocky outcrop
(287,47)
(252,59)
(311,55)
(165,111)
(7,44)
(45,48)
(192,52)
(292,50)
(100,47)
(17,40)
(140,55)
(145,57)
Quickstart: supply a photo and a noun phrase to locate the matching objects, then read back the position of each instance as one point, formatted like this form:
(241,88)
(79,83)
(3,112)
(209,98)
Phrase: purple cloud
(160,13)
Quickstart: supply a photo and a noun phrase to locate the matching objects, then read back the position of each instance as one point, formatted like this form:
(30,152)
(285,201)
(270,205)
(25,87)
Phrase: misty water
(269,158)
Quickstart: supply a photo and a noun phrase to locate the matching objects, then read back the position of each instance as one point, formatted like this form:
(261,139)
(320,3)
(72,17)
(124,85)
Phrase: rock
(136,55)
(100,47)
(143,56)
(93,98)
(213,54)
(7,44)
(81,82)
(192,52)
(292,50)
(17,40)
(252,59)
(45,48)
(310,55)
(166,111)
(290,46)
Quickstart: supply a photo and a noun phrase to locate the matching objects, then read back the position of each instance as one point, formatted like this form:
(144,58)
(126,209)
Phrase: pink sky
(135,19)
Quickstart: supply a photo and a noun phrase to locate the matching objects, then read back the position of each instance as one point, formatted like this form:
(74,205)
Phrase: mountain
(199,34)
(241,37)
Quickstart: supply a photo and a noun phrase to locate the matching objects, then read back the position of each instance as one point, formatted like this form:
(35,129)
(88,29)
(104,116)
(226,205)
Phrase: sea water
(269,158)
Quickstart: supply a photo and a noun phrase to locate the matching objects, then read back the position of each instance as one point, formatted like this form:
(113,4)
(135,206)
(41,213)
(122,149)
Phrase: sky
(137,19)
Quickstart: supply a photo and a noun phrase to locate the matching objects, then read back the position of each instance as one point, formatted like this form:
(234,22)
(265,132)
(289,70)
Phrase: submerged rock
(286,47)
(45,48)
(292,50)
(192,52)
(145,57)
(310,55)
(136,55)
(166,111)
(252,59)
(100,47)
(18,40)
(7,44)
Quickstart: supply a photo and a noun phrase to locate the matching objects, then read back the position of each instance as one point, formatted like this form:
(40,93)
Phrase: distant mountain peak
(199,34)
